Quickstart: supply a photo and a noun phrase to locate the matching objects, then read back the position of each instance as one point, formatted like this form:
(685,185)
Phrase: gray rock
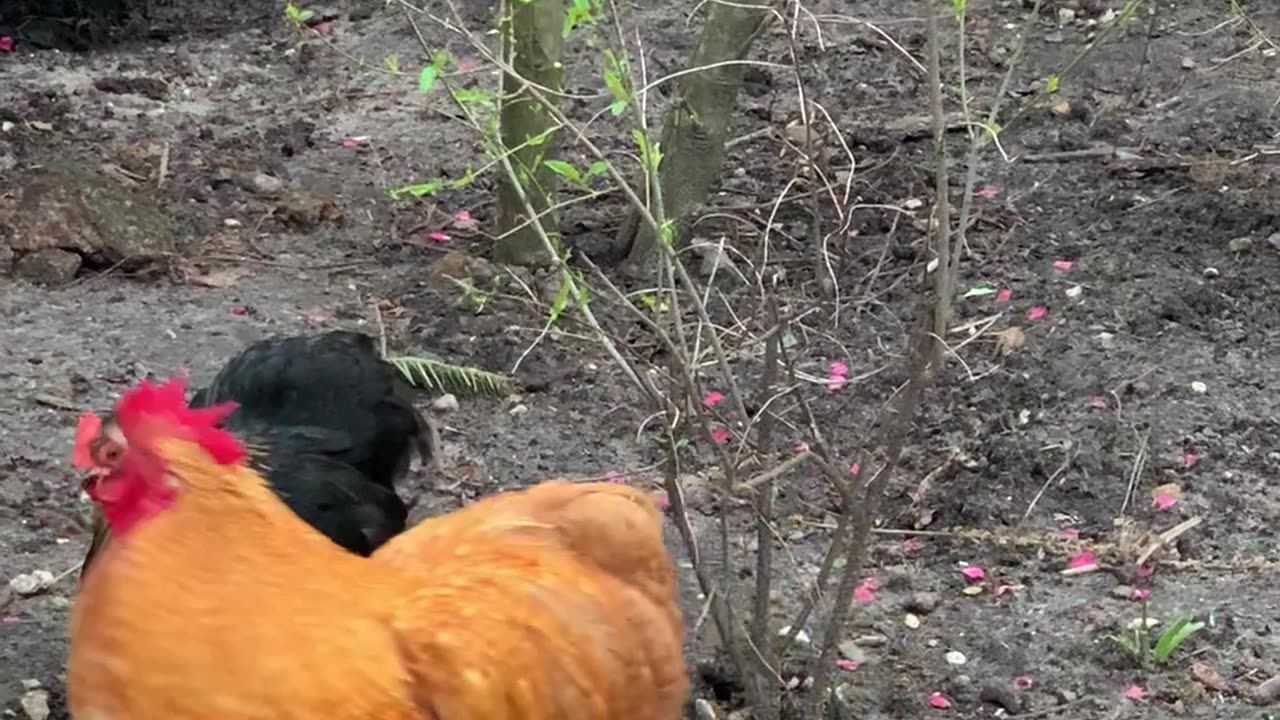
(48,266)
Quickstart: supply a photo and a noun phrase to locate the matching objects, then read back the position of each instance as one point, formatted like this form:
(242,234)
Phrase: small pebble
(921,603)
(1122,592)
(1199,388)
(955,657)
(704,710)
(872,641)
(445,403)
(1211,273)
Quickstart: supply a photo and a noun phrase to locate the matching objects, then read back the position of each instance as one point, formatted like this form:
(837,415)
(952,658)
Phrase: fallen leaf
(939,701)
(979,291)
(712,398)
(1010,339)
(1004,296)
(973,573)
(1207,676)
(1037,313)
(220,278)
(973,589)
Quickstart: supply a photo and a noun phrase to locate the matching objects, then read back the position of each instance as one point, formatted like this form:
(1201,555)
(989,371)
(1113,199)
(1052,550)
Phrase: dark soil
(1157,351)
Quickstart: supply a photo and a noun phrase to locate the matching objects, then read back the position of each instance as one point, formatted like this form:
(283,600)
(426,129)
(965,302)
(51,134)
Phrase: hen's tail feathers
(101,536)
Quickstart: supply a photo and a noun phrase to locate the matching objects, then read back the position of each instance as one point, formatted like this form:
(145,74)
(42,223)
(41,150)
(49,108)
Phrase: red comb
(149,411)
(86,431)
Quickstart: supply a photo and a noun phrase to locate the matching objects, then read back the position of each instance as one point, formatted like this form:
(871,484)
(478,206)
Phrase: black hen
(329,422)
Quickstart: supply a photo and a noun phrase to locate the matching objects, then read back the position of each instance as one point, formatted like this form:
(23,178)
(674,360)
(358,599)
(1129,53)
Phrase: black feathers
(330,424)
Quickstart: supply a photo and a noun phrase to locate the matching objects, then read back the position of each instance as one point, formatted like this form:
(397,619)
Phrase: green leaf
(1051,86)
(598,167)
(393,64)
(427,78)
(561,301)
(979,291)
(418,190)
(433,375)
(564,170)
(618,107)
(1173,638)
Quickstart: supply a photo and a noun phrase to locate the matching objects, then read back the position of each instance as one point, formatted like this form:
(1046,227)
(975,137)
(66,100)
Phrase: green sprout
(1148,649)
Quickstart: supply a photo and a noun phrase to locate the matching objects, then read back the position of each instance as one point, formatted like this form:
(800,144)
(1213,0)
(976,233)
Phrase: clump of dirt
(1129,238)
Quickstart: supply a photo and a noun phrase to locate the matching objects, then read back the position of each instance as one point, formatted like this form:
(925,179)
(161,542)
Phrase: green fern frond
(464,382)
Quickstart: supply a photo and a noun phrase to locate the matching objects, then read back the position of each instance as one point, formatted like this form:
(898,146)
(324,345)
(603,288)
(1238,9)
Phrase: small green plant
(297,15)
(1148,649)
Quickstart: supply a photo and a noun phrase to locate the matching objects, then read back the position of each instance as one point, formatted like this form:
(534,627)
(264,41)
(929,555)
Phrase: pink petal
(987,191)
(802,446)
(973,573)
(239,310)
(1002,590)
(1188,460)
(661,499)
(719,435)
(463,221)
(1004,296)
(468,63)
(614,476)
(855,468)
(865,593)
(322,28)
(1063,265)
(1098,402)
(1140,594)
(1037,313)
(1023,682)
(6,44)
(438,237)
(1164,501)
(939,701)
(838,369)
(912,545)
(1146,571)
(835,382)
(1135,692)
(847,664)
(11,620)
(354,141)
(712,398)
(1082,559)
(1069,533)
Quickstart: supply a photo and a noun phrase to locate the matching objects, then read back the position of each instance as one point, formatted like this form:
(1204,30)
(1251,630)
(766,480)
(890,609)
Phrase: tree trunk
(697,124)
(533,45)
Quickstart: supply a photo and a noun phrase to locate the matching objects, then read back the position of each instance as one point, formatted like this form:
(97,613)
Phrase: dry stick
(761,636)
(941,230)
(864,512)
(1032,505)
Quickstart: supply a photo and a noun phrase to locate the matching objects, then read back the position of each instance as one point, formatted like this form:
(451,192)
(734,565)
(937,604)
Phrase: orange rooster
(216,601)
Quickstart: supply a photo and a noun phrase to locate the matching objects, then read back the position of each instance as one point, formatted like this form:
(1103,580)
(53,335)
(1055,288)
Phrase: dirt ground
(1150,373)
